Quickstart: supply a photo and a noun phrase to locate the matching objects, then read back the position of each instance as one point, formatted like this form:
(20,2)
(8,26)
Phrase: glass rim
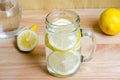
(74,22)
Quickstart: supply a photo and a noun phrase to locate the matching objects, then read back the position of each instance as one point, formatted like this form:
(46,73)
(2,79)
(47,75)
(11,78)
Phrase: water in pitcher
(62,48)
(10,17)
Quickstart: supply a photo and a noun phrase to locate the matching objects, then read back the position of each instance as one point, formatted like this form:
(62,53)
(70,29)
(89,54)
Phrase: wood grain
(67,4)
(16,65)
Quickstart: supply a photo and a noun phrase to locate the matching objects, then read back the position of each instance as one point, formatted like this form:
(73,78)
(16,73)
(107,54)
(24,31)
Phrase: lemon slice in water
(65,38)
(64,63)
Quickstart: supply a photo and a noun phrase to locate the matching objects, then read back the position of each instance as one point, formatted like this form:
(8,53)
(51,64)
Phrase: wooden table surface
(16,65)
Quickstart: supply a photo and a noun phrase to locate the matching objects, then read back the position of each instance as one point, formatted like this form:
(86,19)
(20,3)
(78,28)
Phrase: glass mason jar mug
(10,17)
(63,43)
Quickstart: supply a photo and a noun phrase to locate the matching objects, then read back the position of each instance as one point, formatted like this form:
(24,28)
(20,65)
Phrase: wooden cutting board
(16,65)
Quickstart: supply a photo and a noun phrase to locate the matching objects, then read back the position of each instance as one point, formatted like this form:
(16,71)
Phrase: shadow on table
(36,58)
(96,28)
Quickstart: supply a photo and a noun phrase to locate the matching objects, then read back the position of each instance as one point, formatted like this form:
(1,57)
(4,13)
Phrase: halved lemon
(64,63)
(27,40)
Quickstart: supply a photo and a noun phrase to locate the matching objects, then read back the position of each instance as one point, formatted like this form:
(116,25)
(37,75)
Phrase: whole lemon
(109,21)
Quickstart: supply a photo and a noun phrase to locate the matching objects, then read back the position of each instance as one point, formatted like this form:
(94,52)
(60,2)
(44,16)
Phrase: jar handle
(87,33)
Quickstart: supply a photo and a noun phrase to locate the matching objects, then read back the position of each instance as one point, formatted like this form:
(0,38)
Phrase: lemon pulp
(27,40)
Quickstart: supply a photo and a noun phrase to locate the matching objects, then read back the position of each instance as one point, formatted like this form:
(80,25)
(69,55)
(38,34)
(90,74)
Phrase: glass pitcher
(10,18)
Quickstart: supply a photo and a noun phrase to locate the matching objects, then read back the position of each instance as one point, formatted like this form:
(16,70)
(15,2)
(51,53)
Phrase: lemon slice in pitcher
(64,63)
